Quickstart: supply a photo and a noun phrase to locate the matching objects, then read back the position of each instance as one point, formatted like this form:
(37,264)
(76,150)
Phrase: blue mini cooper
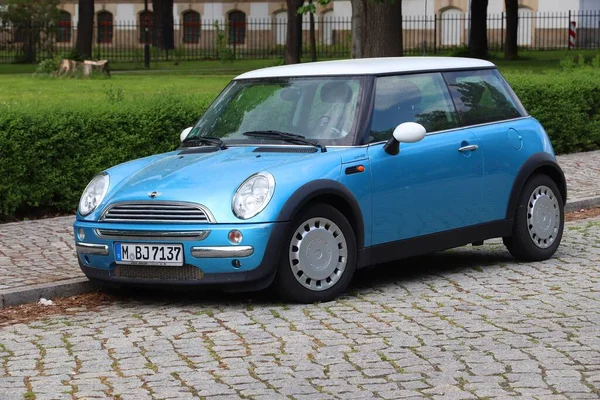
(298,175)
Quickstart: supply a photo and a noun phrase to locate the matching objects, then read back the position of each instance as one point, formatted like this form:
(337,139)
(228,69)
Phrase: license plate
(149,254)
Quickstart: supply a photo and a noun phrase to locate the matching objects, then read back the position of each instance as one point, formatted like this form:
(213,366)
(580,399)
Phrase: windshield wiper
(206,139)
(288,137)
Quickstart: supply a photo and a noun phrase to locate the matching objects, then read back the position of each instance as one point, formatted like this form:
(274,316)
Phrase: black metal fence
(240,38)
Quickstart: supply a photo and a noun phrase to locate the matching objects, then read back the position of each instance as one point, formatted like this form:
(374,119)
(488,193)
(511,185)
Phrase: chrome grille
(183,273)
(157,212)
(151,235)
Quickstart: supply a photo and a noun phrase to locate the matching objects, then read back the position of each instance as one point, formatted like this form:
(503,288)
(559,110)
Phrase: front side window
(421,98)
(482,96)
(324,110)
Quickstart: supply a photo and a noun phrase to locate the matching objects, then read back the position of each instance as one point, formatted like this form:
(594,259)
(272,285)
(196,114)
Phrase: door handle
(471,147)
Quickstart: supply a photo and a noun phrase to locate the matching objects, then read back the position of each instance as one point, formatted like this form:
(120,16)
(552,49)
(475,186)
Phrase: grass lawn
(184,67)
(540,61)
(193,77)
(30,90)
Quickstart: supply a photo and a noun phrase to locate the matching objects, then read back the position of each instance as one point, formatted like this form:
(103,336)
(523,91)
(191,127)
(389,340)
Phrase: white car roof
(368,66)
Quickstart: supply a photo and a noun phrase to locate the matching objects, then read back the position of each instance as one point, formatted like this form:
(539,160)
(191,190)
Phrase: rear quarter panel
(502,160)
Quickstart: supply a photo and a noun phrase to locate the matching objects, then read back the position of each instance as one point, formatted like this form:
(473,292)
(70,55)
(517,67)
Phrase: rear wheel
(319,259)
(538,222)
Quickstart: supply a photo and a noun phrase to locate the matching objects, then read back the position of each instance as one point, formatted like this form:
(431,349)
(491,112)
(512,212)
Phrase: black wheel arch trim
(325,187)
(534,163)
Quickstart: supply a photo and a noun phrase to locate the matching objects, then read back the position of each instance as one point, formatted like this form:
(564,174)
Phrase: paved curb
(587,202)
(31,294)
(75,286)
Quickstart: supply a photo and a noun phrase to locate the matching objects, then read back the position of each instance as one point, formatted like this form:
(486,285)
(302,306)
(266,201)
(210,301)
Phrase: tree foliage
(19,12)
(34,20)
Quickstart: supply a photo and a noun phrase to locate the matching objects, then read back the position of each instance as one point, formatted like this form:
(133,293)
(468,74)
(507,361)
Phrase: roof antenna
(425,30)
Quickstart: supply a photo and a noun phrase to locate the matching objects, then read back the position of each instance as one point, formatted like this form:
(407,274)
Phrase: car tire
(538,221)
(319,258)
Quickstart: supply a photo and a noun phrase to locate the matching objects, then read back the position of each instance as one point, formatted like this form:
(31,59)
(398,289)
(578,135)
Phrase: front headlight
(253,195)
(93,194)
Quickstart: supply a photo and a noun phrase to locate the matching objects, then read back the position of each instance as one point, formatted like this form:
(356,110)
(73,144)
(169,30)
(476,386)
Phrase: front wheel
(538,222)
(320,256)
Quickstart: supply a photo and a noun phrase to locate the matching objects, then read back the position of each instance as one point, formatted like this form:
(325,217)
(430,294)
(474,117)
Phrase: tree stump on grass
(95,66)
(67,67)
(71,67)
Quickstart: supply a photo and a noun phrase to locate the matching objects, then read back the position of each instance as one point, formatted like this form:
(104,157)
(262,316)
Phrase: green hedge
(566,103)
(49,153)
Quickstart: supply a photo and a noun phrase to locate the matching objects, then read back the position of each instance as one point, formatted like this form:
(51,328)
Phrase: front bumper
(250,265)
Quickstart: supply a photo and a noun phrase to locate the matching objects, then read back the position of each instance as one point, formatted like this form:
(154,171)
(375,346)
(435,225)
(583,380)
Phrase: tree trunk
(30,42)
(313,39)
(85,29)
(478,43)
(293,46)
(381,29)
(357,24)
(162,12)
(512,28)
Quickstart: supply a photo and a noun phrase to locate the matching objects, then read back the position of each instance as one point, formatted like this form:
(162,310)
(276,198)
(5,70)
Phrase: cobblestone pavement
(43,251)
(466,323)
(582,171)
(35,252)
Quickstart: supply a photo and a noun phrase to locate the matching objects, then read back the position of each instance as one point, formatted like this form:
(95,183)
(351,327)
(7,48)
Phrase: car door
(433,185)
(486,105)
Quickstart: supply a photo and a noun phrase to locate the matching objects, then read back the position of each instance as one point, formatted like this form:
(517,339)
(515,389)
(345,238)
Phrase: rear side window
(482,96)
(421,98)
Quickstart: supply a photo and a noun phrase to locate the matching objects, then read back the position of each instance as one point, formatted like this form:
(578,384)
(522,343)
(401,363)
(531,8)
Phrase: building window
(146,23)
(63,34)
(105,27)
(191,27)
(237,27)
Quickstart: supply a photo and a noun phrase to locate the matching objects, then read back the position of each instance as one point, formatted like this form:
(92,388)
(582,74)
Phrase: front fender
(330,192)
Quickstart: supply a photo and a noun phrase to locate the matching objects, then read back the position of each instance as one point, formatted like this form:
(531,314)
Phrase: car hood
(211,179)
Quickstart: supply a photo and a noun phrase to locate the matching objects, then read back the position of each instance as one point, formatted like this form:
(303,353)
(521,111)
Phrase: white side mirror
(185,133)
(409,132)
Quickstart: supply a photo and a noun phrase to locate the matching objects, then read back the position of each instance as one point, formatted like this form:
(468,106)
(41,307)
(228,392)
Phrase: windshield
(323,110)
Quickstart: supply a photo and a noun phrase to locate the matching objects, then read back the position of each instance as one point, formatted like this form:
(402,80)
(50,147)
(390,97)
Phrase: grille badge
(154,194)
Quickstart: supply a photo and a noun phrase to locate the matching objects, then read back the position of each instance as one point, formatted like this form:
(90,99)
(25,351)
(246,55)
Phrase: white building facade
(259,28)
